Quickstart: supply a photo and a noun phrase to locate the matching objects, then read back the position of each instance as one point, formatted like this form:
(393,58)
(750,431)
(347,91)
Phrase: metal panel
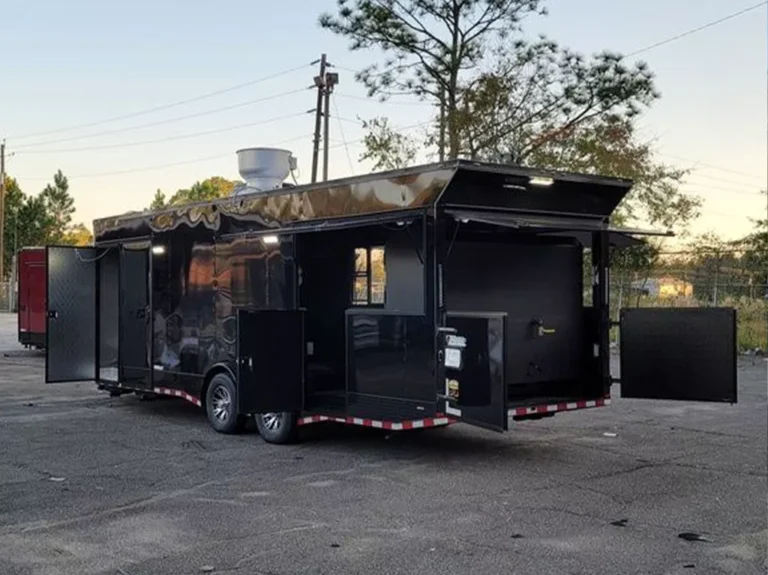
(478,388)
(679,353)
(270,361)
(391,355)
(135,318)
(70,353)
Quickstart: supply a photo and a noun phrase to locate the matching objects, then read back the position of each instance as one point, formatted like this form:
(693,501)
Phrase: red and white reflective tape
(563,406)
(177,393)
(389,425)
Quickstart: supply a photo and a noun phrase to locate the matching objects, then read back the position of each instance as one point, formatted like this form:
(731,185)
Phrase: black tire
(277,427)
(221,405)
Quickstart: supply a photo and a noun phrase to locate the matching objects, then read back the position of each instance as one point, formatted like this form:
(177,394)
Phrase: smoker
(448,292)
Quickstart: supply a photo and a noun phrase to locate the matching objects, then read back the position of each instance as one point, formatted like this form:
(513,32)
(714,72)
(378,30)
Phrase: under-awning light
(270,240)
(158,250)
(541,181)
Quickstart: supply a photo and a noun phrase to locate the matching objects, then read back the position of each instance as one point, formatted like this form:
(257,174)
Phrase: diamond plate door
(70,353)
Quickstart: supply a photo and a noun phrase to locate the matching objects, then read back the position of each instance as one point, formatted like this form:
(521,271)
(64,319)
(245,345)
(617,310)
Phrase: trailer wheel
(221,405)
(277,427)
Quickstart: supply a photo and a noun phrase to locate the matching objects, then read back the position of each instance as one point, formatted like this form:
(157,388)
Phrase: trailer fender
(221,367)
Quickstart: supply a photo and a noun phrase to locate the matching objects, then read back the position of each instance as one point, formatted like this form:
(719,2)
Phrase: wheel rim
(272,421)
(221,402)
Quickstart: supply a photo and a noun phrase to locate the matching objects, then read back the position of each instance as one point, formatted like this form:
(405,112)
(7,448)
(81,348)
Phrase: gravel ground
(91,484)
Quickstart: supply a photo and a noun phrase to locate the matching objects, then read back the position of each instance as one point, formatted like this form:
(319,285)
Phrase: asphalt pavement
(96,485)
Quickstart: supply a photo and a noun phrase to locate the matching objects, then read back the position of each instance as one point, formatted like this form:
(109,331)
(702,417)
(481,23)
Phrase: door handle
(52,314)
(541,330)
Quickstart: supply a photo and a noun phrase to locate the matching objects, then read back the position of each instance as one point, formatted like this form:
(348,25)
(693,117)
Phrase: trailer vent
(263,169)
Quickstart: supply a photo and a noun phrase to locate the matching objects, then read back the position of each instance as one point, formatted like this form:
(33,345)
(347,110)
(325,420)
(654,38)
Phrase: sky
(85,61)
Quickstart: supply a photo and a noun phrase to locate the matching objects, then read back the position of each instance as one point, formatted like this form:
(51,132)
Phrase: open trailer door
(678,353)
(71,334)
(471,351)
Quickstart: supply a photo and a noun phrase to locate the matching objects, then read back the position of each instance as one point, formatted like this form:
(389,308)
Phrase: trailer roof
(452,183)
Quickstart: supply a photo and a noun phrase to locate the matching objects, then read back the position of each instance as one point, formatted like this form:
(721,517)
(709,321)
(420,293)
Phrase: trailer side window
(370,277)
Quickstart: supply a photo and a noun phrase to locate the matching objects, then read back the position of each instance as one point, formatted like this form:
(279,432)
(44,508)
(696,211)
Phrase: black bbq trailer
(450,292)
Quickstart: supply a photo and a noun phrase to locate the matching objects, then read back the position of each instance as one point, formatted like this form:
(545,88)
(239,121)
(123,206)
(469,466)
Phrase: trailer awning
(578,228)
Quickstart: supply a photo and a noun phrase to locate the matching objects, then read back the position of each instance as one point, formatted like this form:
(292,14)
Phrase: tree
(41,219)
(610,147)
(158,201)
(59,206)
(532,90)
(386,148)
(78,235)
(755,258)
(14,200)
(429,43)
(539,92)
(210,189)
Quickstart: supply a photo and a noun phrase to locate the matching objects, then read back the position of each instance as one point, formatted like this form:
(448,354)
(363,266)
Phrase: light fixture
(514,187)
(270,240)
(158,250)
(541,181)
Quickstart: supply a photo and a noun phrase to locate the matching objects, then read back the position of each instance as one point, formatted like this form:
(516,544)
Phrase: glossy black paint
(679,353)
(482,394)
(109,315)
(270,361)
(135,319)
(249,274)
(390,355)
(538,286)
(511,191)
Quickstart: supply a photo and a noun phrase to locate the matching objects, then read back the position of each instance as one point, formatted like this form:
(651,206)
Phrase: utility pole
(320,84)
(331,79)
(2,213)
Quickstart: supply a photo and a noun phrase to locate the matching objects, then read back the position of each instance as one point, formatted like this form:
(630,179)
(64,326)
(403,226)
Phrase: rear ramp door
(70,353)
(679,353)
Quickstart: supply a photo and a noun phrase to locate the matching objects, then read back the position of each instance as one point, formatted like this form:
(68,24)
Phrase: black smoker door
(70,351)
(679,353)
(472,357)
(270,361)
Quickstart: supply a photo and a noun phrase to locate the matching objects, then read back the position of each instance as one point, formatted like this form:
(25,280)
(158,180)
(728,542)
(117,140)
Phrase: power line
(343,138)
(712,166)
(694,30)
(168,139)
(162,122)
(721,189)
(387,102)
(166,106)
(399,131)
(696,174)
(163,166)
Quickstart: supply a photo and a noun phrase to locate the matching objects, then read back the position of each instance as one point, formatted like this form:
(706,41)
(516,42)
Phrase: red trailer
(32,296)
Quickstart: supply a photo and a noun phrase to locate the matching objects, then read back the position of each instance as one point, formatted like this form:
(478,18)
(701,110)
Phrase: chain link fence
(671,287)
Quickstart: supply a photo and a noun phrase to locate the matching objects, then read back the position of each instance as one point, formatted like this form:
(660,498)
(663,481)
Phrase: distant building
(663,287)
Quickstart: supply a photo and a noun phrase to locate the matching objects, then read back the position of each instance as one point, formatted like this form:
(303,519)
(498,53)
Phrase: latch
(541,330)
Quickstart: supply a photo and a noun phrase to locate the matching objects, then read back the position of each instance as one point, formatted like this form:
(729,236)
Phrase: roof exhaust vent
(264,169)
